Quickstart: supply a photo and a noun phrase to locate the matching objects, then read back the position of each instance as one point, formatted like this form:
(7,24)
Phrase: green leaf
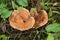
(56,35)
(43,1)
(0,11)
(2,6)
(5,13)
(48,4)
(50,37)
(20,8)
(22,2)
(52,19)
(4,37)
(32,10)
(55,27)
(14,5)
(50,12)
(57,12)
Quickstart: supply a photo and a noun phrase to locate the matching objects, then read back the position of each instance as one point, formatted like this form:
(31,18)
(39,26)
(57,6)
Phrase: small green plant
(50,37)
(4,37)
(45,5)
(4,12)
(55,28)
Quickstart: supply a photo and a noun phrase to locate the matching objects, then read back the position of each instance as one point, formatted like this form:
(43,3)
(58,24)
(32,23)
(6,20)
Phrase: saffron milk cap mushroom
(41,19)
(21,20)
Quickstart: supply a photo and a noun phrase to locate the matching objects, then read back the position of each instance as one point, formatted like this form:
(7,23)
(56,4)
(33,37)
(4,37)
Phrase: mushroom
(21,20)
(40,18)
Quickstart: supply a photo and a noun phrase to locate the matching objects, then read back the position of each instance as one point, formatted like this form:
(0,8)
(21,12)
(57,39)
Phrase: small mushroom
(40,18)
(21,20)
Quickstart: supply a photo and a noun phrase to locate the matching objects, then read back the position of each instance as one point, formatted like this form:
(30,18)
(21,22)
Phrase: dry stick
(3,24)
(32,2)
(38,5)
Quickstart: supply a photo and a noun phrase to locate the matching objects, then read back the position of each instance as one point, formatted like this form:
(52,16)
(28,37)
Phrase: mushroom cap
(21,20)
(41,19)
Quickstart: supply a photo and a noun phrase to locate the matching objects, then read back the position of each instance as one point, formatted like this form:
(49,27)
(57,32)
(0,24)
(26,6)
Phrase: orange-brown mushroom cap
(41,19)
(21,20)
